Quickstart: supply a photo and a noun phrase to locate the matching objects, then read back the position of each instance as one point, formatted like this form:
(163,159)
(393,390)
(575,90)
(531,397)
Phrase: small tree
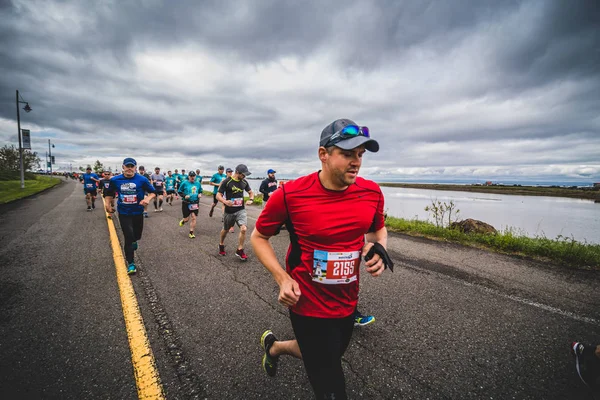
(9,159)
(98,167)
(443,213)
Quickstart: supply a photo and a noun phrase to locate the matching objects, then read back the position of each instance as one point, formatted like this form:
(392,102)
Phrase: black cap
(221,167)
(242,169)
(191,173)
(347,143)
(228,170)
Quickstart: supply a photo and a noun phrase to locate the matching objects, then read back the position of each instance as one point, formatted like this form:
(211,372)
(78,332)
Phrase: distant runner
(235,212)
(170,186)
(158,181)
(131,188)
(190,192)
(90,181)
(142,172)
(268,185)
(215,181)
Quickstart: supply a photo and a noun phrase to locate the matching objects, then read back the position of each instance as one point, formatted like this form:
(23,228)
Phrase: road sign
(26,139)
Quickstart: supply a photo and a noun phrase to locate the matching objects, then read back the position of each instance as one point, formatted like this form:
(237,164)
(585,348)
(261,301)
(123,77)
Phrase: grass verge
(11,190)
(562,250)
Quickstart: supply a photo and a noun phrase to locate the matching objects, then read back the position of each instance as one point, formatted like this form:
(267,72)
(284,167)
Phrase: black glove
(379,249)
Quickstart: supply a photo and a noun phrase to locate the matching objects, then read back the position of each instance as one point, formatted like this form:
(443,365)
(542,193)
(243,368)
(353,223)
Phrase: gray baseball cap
(350,142)
(242,169)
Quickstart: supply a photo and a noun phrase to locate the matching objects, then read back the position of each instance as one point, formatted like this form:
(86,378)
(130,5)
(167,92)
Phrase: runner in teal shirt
(216,182)
(170,182)
(190,192)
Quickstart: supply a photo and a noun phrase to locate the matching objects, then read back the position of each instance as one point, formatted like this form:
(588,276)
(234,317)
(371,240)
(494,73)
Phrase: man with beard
(330,234)
(268,186)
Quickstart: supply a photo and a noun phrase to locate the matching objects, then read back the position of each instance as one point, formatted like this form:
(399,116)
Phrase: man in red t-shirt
(327,234)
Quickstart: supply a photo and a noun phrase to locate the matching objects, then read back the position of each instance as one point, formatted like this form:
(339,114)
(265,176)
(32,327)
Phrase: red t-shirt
(330,226)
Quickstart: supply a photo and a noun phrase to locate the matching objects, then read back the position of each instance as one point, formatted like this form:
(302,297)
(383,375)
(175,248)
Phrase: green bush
(563,250)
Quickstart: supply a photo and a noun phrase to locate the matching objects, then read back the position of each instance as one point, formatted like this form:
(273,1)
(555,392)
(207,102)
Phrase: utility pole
(20,145)
(50,156)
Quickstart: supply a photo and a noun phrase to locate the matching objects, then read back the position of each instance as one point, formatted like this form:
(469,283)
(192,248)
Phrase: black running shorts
(185,209)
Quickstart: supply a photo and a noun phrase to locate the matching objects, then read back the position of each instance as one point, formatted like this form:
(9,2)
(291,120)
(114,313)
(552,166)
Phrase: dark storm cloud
(420,73)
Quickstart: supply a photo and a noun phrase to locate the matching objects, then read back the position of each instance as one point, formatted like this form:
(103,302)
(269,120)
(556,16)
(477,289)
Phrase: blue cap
(129,161)
(271,171)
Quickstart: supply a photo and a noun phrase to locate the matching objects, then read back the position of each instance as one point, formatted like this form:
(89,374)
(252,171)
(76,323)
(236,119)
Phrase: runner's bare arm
(375,265)
(251,197)
(108,204)
(289,291)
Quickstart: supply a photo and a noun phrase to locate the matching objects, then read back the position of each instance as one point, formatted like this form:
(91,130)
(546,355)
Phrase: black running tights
(132,227)
(322,342)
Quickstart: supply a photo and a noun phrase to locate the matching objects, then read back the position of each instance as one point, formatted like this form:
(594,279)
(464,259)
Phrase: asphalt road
(452,322)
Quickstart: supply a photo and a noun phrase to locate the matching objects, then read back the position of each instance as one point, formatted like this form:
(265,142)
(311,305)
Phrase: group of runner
(335,221)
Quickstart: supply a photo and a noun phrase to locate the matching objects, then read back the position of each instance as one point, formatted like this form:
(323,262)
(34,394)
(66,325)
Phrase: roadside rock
(473,226)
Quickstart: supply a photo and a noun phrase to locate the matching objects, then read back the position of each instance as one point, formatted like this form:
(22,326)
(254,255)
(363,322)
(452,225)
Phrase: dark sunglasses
(347,132)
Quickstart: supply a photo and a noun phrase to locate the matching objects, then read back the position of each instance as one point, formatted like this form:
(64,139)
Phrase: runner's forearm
(266,255)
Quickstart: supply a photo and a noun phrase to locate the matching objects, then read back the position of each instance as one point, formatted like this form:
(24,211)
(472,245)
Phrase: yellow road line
(144,367)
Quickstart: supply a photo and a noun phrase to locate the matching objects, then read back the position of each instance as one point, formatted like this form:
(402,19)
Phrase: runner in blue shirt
(215,181)
(90,181)
(170,183)
(190,192)
(131,188)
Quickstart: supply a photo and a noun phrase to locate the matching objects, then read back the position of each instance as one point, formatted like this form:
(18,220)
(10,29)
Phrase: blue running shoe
(131,269)
(362,320)
(134,245)
(269,363)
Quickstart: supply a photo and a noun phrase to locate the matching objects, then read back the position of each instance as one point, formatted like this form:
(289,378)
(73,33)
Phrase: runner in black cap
(235,212)
(327,235)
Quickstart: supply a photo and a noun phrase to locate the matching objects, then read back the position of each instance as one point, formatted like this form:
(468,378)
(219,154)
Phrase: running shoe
(222,250)
(362,320)
(586,364)
(160,209)
(231,230)
(210,213)
(134,245)
(192,236)
(93,206)
(89,208)
(269,363)
(156,210)
(145,214)
(240,253)
(131,269)
(181,222)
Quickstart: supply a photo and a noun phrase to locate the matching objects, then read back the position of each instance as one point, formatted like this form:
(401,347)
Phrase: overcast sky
(473,89)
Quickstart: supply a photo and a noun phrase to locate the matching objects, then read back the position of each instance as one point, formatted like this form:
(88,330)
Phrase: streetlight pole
(27,109)
(50,155)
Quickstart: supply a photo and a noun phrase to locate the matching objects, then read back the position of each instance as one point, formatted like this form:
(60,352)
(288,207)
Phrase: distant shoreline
(516,190)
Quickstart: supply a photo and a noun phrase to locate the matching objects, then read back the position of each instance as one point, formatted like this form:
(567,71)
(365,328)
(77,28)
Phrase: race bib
(159,183)
(89,185)
(130,198)
(237,202)
(193,207)
(334,268)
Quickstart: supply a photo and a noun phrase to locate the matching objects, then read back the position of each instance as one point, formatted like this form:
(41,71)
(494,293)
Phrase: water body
(528,215)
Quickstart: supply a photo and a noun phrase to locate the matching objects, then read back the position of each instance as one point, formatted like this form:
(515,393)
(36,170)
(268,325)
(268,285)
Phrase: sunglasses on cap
(347,132)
